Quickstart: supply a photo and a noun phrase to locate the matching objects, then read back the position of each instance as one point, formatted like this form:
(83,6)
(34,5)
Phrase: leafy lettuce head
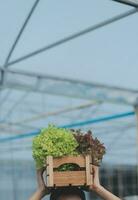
(55,142)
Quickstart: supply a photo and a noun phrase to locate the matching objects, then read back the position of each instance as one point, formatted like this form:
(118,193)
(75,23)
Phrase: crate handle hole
(69,167)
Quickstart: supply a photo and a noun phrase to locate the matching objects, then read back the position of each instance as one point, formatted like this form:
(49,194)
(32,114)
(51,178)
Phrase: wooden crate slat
(79,160)
(49,163)
(75,178)
(88,170)
(91,169)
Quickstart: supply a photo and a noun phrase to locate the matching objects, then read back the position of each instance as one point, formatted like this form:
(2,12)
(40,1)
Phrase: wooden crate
(66,178)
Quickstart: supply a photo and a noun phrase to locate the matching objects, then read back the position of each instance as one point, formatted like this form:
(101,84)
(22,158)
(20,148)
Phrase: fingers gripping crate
(81,177)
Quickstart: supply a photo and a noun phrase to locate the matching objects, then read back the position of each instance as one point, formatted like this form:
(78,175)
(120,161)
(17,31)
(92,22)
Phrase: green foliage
(58,142)
(53,141)
(69,167)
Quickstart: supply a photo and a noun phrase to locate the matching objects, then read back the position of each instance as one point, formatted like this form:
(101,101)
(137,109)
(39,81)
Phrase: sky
(108,55)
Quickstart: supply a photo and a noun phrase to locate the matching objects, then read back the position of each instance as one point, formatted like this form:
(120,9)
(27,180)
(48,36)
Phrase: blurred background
(73,64)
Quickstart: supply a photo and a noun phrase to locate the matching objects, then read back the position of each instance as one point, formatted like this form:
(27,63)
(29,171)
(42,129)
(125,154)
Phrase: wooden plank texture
(49,163)
(88,170)
(79,160)
(75,178)
(65,178)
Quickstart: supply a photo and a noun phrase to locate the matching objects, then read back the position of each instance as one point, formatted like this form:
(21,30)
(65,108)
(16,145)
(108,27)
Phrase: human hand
(96,181)
(42,188)
(98,188)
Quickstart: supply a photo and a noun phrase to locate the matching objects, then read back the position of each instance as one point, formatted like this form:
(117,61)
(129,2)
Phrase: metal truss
(26,106)
(40,83)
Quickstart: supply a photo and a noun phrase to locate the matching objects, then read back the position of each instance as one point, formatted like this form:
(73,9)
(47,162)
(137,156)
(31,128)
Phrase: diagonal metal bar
(6,123)
(21,31)
(133,3)
(74,36)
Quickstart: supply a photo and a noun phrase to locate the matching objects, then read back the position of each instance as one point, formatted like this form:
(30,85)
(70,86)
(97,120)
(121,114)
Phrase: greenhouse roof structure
(55,73)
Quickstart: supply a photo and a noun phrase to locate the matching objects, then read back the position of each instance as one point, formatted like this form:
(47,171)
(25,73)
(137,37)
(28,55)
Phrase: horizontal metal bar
(68,87)
(78,124)
(56,78)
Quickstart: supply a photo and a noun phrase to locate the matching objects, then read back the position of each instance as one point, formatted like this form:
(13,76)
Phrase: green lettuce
(53,141)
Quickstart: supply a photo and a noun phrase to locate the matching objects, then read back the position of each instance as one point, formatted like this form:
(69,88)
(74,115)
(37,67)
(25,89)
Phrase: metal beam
(56,78)
(21,31)
(75,35)
(77,124)
(136,113)
(67,87)
(133,3)
(19,36)
(6,123)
